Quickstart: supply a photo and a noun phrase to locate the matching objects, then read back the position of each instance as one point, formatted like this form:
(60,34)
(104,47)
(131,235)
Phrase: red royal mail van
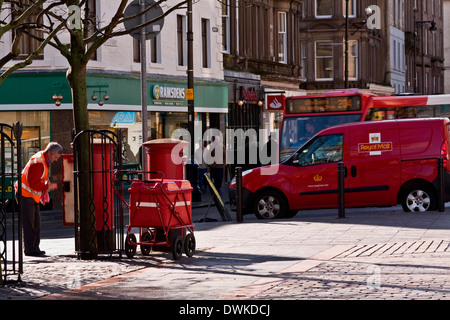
(387,163)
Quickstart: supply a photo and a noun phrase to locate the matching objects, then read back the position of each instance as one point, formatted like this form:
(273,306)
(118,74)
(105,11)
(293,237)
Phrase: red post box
(166,156)
(68,192)
(103,195)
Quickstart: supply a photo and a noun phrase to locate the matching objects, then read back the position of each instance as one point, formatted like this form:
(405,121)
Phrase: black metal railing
(11,254)
(99,227)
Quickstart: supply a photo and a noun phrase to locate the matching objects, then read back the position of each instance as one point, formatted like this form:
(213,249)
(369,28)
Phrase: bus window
(296,131)
(405,112)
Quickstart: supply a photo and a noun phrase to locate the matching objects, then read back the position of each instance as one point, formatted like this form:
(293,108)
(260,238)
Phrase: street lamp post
(143,86)
(191,166)
(346,45)
(432,29)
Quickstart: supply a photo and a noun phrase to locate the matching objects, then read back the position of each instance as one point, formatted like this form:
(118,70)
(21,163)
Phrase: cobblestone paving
(397,271)
(63,273)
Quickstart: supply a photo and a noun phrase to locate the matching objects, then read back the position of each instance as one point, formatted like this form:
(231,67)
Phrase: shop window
(36,130)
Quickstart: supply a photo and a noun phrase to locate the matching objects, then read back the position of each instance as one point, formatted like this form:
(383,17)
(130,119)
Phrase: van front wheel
(418,199)
(269,204)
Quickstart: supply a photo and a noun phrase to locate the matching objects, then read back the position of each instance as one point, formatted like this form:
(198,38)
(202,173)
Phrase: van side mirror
(295,158)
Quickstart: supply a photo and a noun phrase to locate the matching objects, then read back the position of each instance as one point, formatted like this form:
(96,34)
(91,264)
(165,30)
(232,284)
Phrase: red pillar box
(103,195)
(161,155)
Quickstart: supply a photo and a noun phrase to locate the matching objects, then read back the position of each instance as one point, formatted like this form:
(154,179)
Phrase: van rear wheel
(418,199)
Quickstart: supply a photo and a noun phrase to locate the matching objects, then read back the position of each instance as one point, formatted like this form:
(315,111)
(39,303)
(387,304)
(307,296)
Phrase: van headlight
(233,182)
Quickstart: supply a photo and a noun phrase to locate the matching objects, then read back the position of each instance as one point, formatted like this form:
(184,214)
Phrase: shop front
(42,102)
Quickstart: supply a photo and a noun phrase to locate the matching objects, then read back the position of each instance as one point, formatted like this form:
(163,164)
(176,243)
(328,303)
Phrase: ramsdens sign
(160,92)
(168,95)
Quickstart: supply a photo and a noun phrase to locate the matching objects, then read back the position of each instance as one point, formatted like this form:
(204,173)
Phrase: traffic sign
(152,30)
(189,94)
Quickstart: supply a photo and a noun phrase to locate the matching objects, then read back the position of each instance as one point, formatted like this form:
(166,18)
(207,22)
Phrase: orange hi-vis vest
(27,191)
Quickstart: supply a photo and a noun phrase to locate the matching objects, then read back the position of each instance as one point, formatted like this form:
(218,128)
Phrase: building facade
(261,58)
(39,96)
(446,45)
(113,80)
(424,46)
(397,45)
(324,35)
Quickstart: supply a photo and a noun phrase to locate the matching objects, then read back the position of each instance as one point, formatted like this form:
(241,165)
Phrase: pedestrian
(35,187)
(251,152)
(269,152)
(202,165)
(218,161)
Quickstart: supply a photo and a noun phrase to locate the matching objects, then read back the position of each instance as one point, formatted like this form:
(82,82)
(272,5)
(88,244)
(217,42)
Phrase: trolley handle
(117,172)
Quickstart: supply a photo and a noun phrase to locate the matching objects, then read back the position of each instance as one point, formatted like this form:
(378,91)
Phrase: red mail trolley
(162,210)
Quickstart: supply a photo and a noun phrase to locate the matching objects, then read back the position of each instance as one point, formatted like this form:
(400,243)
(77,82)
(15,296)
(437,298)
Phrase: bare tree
(85,38)
(58,18)
(18,22)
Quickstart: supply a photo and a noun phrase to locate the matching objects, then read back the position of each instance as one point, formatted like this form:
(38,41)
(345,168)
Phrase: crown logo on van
(317,178)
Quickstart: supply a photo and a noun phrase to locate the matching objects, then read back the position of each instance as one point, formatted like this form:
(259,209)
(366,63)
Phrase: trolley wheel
(130,245)
(189,245)
(177,248)
(146,248)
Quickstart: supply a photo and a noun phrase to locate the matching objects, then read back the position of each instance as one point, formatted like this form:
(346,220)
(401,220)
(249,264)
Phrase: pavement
(371,254)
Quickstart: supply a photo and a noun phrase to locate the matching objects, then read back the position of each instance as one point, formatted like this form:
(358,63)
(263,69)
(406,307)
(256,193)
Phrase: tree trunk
(76,75)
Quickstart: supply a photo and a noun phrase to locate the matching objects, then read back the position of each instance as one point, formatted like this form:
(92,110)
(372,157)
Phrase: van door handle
(353,171)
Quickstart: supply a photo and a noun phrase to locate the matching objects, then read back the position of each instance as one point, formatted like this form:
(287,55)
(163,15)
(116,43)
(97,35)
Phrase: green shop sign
(167,95)
(38,90)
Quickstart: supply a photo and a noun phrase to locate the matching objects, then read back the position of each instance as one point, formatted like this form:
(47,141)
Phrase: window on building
(181,40)
(351,8)
(324,60)
(91,9)
(206,60)
(155,49)
(324,8)
(433,44)
(393,58)
(352,59)
(136,50)
(282,37)
(226,26)
(27,43)
(304,58)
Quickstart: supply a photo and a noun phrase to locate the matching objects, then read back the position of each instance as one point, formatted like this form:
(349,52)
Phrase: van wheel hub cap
(268,207)
(418,201)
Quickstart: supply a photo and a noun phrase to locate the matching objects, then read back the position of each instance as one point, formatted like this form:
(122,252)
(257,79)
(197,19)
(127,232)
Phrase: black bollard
(441,185)
(341,191)
(239,194)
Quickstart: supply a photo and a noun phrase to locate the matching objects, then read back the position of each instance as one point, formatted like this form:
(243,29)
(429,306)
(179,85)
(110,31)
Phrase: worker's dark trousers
(31,225)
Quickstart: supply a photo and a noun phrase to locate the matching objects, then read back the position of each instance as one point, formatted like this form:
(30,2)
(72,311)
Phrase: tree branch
(33,55)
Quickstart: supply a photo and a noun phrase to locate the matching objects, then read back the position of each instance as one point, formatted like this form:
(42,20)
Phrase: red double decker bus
(304,116)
